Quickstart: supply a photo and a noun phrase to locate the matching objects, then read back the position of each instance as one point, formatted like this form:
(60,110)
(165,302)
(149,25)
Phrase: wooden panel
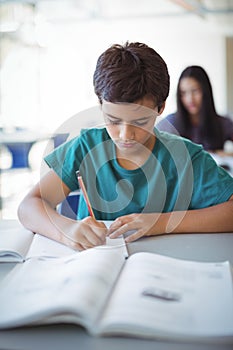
(229,74)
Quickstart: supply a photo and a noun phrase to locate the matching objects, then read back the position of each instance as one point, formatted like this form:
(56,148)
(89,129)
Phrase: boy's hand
(136,225)
(86,233)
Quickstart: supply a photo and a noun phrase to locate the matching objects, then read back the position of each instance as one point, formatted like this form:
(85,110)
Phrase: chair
(16,173)
(69,206)
(20,152)
(59,138)
(19,148)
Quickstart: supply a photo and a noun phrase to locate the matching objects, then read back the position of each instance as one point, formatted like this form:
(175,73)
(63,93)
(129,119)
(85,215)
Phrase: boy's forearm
(218,218)
(39,217)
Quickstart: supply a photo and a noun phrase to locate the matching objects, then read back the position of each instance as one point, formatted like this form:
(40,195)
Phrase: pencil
(83,188)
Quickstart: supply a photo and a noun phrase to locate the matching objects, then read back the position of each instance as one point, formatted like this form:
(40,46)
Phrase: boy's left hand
(140,225)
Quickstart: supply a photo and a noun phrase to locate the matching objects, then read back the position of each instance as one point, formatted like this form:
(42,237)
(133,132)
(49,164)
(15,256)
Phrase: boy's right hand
(84,234)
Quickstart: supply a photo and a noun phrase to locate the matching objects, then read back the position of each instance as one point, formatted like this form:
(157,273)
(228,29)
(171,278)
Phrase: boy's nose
(126,131)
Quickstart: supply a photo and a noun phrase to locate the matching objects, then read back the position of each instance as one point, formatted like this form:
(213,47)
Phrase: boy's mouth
(127,144)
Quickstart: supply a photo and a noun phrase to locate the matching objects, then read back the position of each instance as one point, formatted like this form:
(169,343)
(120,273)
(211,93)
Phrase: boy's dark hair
(127,73)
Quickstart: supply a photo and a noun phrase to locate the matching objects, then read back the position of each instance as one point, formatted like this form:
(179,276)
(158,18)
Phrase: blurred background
(48,52)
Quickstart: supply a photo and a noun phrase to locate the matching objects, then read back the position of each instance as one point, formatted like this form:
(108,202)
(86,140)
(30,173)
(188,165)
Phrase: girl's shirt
(178,175)
(173,125)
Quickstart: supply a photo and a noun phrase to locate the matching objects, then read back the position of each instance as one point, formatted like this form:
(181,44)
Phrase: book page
(14,243)
(46,247)
(115,244)
(158,296)
(70,288)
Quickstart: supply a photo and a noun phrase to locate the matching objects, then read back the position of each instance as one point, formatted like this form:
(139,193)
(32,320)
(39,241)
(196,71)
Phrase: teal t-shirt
(178,175)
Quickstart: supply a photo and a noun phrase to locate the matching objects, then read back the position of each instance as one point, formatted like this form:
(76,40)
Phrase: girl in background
(196,117)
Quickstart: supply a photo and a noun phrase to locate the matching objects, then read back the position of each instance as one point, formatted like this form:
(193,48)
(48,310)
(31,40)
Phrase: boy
(145,180)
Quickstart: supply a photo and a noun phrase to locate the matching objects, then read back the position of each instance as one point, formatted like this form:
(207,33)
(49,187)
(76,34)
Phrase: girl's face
(191,95)
(131,125)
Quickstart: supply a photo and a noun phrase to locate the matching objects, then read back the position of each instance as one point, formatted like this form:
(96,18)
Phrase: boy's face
(131,125)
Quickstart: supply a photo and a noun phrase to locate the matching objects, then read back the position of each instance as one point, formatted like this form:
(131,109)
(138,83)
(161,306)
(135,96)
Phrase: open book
(147,295)
(18,244)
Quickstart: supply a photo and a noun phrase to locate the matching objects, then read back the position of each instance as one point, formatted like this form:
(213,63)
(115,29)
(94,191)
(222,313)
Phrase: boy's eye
(140,123)
(137,123)
(114,122)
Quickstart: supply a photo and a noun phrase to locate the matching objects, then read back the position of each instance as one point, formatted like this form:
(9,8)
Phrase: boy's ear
(161,109)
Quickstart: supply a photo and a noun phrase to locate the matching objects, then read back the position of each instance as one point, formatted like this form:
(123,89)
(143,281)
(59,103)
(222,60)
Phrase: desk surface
(224,161)
(199,247)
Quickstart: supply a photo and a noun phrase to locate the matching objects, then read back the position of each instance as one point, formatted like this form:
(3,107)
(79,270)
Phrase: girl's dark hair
(209,127)
(126,73)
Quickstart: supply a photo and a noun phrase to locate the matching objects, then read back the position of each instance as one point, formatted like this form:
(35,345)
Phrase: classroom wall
(53,82)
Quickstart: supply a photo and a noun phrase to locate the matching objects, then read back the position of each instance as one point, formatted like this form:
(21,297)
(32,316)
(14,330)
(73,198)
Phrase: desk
(199,247)
(19,143)
(224,161)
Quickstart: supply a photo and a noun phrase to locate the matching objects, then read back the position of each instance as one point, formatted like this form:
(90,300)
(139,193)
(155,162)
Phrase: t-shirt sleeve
(212,184)
(65,161)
